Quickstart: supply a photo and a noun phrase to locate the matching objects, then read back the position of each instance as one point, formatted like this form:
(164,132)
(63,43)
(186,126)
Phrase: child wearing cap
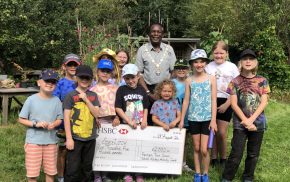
(200,102)
(81,110)
(106,95)
(63,87)
(132,104)
(249,97)
(42,113)
(181,68)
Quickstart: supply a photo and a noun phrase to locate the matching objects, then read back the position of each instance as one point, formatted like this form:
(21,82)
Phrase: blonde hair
(254,70)
(159,87)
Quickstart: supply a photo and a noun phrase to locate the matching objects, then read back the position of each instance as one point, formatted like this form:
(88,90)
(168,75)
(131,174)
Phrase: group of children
(116,97)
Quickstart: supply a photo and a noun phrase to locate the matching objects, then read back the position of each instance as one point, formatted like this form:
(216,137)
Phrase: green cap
(181,63)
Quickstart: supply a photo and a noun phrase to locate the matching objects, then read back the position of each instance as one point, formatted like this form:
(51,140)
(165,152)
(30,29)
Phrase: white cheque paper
(151,150)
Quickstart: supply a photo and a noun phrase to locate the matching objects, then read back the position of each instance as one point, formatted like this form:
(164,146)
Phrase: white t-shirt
(224,73)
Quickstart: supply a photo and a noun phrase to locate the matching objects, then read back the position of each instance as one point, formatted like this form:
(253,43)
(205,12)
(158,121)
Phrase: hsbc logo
(123,131)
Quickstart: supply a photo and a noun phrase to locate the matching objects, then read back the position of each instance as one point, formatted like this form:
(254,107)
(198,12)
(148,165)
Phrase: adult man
(155,60)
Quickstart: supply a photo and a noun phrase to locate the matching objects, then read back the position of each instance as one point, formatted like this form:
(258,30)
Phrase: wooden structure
(7,94)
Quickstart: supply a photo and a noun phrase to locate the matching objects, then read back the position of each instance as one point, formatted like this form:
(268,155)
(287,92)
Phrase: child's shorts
(199,127)
(227,115)
(37,154)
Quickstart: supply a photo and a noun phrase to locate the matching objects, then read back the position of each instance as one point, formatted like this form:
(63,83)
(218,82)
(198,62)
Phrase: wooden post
(5,109)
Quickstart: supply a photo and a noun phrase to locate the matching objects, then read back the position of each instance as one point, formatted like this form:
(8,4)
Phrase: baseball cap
(247,52)
(71,57)
(198,54)
(181,63)
(84,70)
(105,64)
(105,51)
(129,69)
(48,74)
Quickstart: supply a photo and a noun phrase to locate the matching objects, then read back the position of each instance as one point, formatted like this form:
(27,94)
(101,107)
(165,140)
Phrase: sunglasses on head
(51,81)
(85,77)
(71,63)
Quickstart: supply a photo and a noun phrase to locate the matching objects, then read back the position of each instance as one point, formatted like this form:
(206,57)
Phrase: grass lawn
(273,164)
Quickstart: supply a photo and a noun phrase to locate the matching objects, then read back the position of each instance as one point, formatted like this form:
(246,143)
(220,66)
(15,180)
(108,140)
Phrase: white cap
(129,69)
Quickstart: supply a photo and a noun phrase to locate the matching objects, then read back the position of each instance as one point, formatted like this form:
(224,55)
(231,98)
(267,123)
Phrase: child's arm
(185,103)
(236,108)
(222,108)
(26,122)
(176,121)
(116,121)
(54,124)
(122,114)
(67,128)
(259,110)
(156,121)
(213,124)
(144,120)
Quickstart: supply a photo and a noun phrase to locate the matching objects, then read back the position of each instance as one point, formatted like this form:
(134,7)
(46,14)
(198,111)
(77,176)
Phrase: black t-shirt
(132,101)
(83,123)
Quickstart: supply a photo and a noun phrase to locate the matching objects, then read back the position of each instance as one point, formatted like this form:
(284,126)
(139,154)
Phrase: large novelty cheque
(151,150)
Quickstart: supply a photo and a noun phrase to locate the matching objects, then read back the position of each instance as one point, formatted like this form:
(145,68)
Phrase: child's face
(131,80)
(249,63)
(220,55)
(104,74)
(70,68)
(123,58)
(84,81)
(47,86)
(199,65)
(166,92)
(181,72)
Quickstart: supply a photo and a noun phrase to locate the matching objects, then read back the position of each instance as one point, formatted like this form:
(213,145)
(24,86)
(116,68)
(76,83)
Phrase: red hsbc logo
(123,131)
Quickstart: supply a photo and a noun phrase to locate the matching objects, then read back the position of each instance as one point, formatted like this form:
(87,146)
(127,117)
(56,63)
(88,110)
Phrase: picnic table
(11,93)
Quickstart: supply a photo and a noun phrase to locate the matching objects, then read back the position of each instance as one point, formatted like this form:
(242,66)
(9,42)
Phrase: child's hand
(132,124)
(172,125)
(252,128)
(70,144)
(143,124)
(246,123)
(98,124)
(181,124)
(83,96)
(213,126)
(166,127)
(222,108)
(42,124)
(51,126)
(116,121)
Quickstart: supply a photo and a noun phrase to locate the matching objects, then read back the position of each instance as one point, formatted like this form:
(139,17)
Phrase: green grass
(273,164)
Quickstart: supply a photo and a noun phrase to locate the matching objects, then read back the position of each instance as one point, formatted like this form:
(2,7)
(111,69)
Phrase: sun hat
(84,70)
(105,64)
(48,74)
(129,69)
(71,57)
(248,52)
(198,54)
(105,51)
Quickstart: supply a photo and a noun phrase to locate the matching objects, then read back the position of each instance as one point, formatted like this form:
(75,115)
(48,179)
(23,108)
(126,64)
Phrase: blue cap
(105,64)
(49,75)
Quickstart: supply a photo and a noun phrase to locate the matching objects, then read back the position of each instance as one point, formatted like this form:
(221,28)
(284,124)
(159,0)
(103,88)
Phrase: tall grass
(273,164)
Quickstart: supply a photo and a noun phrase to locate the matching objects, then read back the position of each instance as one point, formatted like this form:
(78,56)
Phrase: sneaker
(196,177)
(204,178)
(139,178)
(128,178)
(223,162)
(106,179)
(186,168)
(98,179)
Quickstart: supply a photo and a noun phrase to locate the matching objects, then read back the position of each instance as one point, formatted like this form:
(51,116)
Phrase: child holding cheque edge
(200,101)
(132,104)
(42,113)
(166,110)
(249,97)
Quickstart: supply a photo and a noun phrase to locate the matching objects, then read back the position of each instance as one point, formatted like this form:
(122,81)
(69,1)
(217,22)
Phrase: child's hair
(159,87)
(221,44)
(254,70)
(126,52)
